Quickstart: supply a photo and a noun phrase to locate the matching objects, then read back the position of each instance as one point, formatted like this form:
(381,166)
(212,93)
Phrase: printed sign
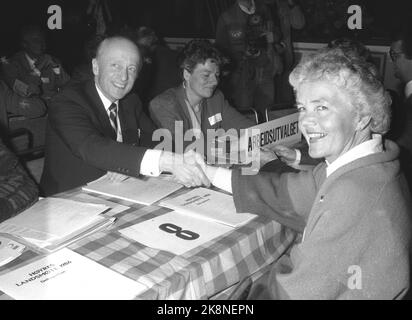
(283,131)
(175,232)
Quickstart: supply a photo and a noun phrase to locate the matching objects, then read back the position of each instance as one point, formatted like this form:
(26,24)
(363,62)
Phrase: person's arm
(294,157)
(80,135)
(286,198)
(17,189)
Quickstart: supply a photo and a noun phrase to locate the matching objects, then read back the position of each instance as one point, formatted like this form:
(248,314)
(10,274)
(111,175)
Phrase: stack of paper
(67,275)
(53,222)
(146,190)
(210,205)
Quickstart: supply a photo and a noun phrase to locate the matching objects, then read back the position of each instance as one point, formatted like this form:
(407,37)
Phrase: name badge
(215,119)
(45,80)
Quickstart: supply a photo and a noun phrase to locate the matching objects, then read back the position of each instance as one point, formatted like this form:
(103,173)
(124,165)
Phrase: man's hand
(187,169)
(265,156)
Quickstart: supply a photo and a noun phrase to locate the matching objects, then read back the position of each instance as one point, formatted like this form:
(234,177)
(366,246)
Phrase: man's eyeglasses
(394,54)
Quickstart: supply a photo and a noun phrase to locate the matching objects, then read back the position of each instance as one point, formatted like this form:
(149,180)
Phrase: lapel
(205,116)
(100,111)
(128,122)
(182,108)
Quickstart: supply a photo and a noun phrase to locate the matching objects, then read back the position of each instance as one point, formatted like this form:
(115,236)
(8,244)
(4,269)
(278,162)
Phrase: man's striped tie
(113,116)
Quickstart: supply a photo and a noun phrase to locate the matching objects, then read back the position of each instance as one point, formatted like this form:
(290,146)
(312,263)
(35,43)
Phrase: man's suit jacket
(81,143)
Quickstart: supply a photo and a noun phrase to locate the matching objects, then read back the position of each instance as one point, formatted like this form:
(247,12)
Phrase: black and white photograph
(200,156)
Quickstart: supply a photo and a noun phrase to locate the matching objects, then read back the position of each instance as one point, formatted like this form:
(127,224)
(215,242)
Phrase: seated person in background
(32,72)
(17,190)
(95,127)
(12,103)
(197,103)
(160,69)
(352,207)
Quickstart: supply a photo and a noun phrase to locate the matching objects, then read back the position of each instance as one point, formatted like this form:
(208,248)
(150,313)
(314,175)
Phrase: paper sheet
(115,207)
(174,232)
(146,190)
(52,218)
(68,275)
(210,205)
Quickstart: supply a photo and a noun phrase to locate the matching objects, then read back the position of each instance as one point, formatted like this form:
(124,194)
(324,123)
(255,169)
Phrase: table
(200,273)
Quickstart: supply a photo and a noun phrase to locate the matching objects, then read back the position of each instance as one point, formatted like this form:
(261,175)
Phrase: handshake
(188,169)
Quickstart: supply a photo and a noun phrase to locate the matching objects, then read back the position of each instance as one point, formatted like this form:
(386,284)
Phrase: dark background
(326,20)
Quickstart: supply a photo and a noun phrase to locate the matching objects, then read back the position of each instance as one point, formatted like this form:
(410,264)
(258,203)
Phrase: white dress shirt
(151,159)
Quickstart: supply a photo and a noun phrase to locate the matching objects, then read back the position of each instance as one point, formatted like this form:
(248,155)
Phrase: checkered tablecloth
(197,274)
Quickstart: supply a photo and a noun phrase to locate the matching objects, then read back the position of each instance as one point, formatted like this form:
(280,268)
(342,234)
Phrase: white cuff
(150,163)
(298,157)
(223,179)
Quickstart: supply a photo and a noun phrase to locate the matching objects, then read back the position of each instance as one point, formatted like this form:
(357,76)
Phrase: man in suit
(95,127)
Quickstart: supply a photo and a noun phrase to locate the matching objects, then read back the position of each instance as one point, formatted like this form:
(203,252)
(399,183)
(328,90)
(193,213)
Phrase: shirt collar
(408,89)
(364,149)
(106,102)
(246,10)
